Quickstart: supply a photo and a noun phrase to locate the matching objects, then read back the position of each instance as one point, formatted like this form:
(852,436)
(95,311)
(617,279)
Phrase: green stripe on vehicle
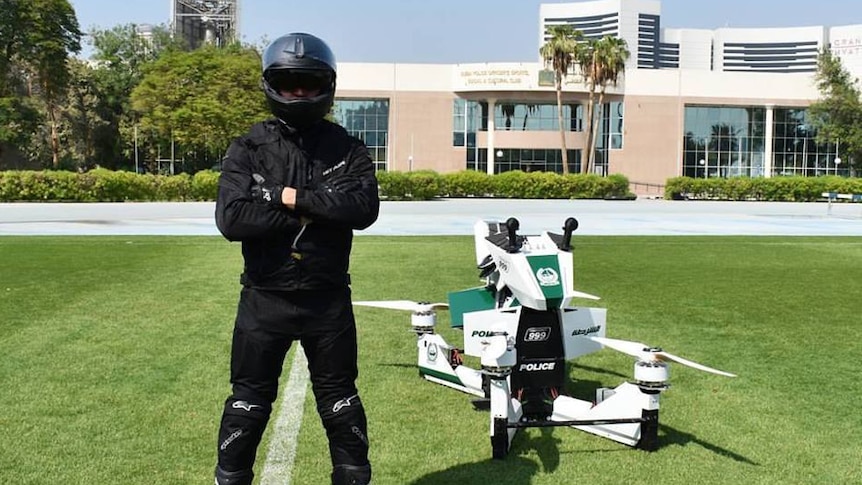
(546,271)
(440,375)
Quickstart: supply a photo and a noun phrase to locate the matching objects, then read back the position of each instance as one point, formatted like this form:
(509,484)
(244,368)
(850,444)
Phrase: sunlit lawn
(114,355)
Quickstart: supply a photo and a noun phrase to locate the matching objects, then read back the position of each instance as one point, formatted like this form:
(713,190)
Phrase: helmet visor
(287,81)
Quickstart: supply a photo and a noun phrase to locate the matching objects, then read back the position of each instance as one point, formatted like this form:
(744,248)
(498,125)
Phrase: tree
(120,55)
(508,110)
(559,53)
(837,115)
(36,38)
(530,108)
(201,99)
(81,118)
(53,34)
(601,61)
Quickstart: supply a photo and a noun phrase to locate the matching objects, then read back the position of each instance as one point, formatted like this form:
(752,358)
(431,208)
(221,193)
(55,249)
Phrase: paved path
(457,216)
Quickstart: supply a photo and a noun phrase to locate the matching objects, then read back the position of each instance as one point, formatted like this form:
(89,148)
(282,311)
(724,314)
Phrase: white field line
(282,445)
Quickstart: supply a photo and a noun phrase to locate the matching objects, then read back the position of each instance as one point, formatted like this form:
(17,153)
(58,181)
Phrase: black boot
(241,477)
(351,475)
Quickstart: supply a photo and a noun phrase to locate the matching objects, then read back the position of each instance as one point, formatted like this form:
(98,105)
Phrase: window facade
(592,27)
(722,141)
(610,135)
(651,52)
(515,116)
(771,57)
(795,151)
(535,160)
(470,117)
(368,120)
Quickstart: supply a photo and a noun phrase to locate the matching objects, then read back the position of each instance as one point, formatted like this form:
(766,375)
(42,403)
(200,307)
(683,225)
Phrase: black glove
(341,183)
(264,193)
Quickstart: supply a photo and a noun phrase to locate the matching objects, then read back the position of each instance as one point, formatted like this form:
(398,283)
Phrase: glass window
(723,141)
(795,148)
(459,122)
(531,160)
(368,120)
(617,110)
(529,116)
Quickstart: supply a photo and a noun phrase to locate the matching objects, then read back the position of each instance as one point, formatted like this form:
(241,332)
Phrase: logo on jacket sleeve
(335,167)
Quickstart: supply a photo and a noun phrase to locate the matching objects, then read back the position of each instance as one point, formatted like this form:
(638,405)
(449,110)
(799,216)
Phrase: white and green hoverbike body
(523,327)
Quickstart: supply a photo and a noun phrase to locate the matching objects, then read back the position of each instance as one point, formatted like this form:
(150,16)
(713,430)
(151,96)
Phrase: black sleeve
(237,216)
(357,208)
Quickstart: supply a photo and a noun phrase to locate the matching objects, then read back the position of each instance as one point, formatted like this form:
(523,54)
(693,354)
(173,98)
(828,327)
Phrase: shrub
(393,185)
(424,184)
(780,189)
(508,185)
(615,186)
(466,183)
(204,185)
(172,187)
(109,186)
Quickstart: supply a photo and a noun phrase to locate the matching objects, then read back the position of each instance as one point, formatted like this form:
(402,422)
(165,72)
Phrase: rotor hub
(652,374)
(423,319)
(496,372)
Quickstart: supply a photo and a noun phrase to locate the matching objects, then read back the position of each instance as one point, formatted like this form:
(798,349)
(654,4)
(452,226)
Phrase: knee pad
(241,477)
(342,410)
(346,429)
(346,413)
(242,426)
(351,475)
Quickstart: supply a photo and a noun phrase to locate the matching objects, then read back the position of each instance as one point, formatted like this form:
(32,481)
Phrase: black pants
(267,322)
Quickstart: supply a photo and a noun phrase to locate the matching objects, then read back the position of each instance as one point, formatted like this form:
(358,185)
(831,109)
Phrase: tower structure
(201,22)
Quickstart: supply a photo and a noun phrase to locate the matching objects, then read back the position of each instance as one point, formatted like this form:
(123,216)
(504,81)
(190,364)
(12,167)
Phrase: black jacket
(278,252)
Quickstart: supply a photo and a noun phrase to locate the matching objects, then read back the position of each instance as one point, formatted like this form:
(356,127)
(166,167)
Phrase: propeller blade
(644,352)
(407,305)
(581,294)
(694,365)
(635,349)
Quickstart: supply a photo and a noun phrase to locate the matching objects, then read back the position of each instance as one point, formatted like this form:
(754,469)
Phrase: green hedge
(424,185)
(781,189)
(102,185)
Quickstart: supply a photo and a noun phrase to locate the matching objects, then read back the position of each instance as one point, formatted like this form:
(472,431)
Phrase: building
(701,103)
(201,22)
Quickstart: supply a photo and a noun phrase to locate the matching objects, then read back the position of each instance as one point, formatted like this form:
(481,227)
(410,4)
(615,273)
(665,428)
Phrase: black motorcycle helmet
(304,60)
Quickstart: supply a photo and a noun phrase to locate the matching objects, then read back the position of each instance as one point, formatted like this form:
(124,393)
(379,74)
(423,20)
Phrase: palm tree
(530,109)
(602,62)
(508,110)
(559,53)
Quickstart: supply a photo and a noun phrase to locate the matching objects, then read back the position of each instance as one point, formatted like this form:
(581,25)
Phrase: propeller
(581,294)
(647,353)
(413,306)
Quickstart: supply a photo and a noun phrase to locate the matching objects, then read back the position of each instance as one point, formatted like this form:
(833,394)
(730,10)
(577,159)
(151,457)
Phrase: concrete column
(491,128)
(767,141)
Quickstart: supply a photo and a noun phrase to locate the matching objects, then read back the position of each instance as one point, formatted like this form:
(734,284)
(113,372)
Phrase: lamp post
(137,170)
(837,156)
(703,165)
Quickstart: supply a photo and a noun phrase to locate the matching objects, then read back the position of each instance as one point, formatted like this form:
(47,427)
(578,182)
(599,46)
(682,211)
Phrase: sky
(453,31)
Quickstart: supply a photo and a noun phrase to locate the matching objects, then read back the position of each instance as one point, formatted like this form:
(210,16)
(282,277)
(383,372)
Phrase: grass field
(114,355)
